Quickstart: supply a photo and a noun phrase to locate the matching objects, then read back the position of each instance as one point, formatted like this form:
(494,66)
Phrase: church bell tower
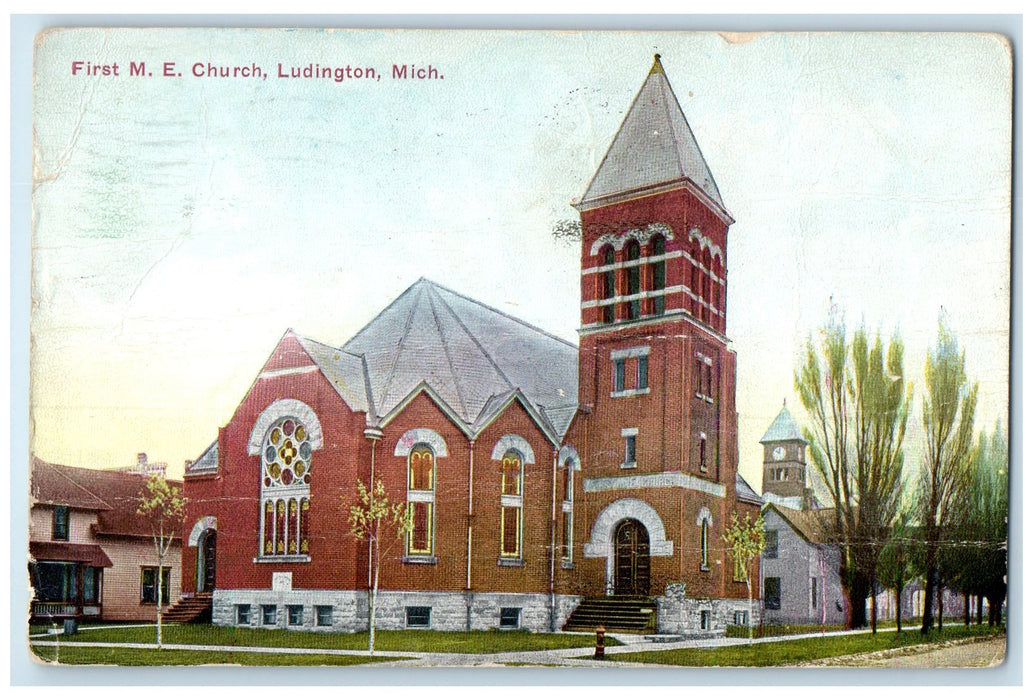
(657,374)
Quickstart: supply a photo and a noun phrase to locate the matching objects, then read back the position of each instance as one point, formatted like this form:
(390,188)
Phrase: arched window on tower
(609,279)
(705,286)
(632,281)
(696,277)
(286,475)
(658,272)
(719,292)
(420,496)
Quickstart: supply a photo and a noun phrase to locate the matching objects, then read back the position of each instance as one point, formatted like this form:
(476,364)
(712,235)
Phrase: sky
(181,224)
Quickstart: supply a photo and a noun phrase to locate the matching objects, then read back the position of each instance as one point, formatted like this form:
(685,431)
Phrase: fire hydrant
(600,650)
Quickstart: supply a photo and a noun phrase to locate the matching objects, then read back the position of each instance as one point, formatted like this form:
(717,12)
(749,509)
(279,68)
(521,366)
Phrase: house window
(91,584)
(771,544)
(417,616)
(814,592)
(630,436)
(702,452)
(509,618)
(740,618)
(295,615)
(420,541)
(56,582)
(704,619)
(324,615)
(567,508)
(149,584)
(512,505)
(609,284)
(704,378)
(772,593)
(269,615)
(243,614)
(658,272)
(286,474)
(59,526)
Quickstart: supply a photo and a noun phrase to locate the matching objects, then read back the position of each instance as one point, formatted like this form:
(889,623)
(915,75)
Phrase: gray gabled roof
(744,492)
(471,357)
(654,145)
(783,428)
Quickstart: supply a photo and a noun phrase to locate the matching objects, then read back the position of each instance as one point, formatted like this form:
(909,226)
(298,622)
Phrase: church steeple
(654,148)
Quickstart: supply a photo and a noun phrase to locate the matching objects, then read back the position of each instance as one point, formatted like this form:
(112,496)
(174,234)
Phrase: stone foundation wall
(449,611)
(677,614)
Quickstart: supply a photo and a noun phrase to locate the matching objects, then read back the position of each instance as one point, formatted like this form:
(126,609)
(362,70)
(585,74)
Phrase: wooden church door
(632,558)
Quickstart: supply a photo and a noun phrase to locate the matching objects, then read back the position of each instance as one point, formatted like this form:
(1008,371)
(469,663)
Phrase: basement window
(295,615)
(269,615)
(417,616)
(244,614)
(324,615)
(509,618)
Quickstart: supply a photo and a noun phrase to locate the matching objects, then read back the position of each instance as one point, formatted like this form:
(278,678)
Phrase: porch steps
(195,608)
(627,614)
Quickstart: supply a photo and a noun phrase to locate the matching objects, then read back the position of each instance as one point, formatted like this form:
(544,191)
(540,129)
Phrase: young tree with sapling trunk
(746,541)
(384,524)
(164,506)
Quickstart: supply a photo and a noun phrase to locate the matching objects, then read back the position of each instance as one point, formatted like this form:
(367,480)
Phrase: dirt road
(960,654)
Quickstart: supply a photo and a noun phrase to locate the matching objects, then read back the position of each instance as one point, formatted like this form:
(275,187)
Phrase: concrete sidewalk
(550,657)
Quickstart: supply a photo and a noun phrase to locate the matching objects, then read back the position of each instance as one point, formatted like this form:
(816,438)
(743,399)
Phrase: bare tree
(164,506)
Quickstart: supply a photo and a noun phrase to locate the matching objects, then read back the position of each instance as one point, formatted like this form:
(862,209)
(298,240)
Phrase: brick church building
(541,475)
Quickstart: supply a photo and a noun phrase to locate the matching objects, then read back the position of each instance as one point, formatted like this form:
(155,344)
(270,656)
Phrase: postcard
(458,348)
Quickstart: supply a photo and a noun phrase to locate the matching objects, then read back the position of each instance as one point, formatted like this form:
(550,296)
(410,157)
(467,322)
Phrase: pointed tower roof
(654,146)
(783,428)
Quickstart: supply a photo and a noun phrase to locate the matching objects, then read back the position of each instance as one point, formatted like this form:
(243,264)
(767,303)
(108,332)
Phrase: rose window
(288,454)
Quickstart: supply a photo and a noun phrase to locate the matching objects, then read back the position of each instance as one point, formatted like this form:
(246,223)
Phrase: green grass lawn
(174,657)
(387,640)
(769,630)
(798,650)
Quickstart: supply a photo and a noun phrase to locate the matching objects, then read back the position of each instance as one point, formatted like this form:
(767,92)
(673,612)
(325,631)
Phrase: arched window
(632,282)
(704,287)
(696,277)
(567,508)
(286,475)
(658,272)
(420,496)
(704,521)
(608,282)
(511,538)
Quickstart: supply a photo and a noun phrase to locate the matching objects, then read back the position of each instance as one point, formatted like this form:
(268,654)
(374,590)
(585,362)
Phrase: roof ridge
(401,338)
(475,340)
(445,349)
(500,312)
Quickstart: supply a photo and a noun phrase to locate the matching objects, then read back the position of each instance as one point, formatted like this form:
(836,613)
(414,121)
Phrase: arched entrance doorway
(206,562)
(631,558)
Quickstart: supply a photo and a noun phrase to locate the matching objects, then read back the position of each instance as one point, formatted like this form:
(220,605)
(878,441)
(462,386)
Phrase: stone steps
(627,614)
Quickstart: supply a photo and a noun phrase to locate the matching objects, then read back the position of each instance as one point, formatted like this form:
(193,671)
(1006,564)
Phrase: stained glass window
(420,541)
(512,504)
(286,475)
